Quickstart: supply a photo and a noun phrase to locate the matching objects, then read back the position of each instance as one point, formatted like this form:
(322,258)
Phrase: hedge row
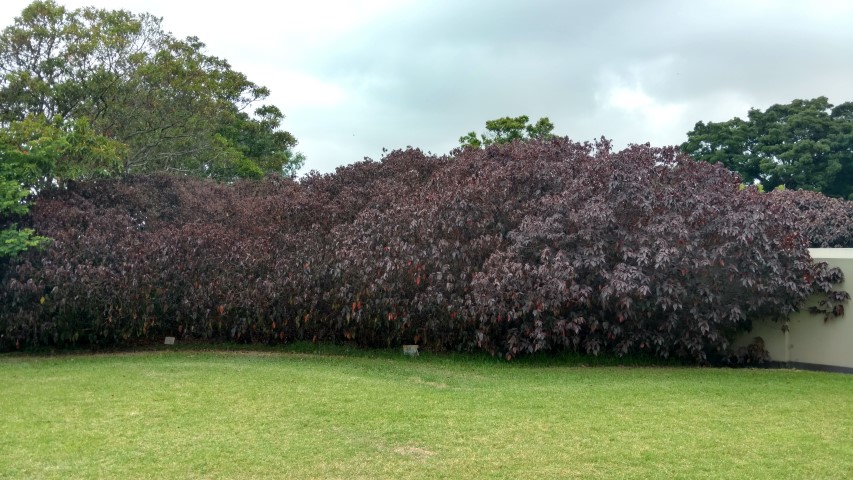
(512,249)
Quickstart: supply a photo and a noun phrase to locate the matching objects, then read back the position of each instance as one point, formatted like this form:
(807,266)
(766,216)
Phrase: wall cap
(825,253)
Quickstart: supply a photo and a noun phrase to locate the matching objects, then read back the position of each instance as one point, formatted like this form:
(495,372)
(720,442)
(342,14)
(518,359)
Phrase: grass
(267,414)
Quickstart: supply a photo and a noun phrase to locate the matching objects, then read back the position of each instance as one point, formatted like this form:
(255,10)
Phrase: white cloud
(296,89)
(655,119)
(653,112)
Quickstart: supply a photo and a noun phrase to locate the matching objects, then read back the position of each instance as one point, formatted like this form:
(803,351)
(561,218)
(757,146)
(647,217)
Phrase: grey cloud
(443,68)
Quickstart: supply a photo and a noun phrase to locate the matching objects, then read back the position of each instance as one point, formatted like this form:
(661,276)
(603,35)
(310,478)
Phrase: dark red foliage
(825,221)
(512,249)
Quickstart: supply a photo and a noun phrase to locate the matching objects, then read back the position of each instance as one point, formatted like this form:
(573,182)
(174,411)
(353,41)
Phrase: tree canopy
(172,105)
(507,129)
(806,144)
(36,154)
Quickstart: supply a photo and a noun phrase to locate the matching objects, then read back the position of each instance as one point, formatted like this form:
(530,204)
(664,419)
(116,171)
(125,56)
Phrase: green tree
(260,138)
(175,107)
(36,153)
(806,144)
(12,206)
(507,129)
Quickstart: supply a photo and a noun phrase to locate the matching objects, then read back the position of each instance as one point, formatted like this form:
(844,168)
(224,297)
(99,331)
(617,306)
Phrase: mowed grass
(193,414)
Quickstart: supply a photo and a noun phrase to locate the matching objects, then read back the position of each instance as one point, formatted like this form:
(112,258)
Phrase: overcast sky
(355,76)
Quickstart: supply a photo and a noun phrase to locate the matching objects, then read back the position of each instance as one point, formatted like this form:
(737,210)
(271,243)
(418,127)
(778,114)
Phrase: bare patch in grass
(411,451)
(421,381)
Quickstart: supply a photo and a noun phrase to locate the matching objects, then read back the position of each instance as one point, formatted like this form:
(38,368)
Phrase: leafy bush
(515,248)
(825,221)
(754,354)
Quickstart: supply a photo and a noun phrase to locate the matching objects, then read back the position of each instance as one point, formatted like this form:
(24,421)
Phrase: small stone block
(170,341)
(410,350)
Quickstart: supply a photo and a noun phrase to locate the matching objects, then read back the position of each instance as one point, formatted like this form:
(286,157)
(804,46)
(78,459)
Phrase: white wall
(810,340)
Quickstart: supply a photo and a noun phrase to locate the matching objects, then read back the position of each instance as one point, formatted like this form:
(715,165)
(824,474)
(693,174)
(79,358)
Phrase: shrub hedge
(516,248)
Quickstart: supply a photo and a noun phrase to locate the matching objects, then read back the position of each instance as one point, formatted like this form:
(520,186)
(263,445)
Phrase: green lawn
(192,414)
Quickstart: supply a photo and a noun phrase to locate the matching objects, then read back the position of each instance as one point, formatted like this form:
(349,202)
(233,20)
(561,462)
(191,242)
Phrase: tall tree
(806,144)
(36,153)
(174,106)
(507,129)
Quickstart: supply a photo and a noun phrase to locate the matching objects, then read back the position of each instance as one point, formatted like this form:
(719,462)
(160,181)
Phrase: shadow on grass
(538,360)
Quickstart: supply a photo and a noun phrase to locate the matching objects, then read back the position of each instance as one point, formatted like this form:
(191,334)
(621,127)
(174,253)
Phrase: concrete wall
(811,342)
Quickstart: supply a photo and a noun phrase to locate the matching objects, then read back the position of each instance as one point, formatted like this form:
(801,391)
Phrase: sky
(356,76)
